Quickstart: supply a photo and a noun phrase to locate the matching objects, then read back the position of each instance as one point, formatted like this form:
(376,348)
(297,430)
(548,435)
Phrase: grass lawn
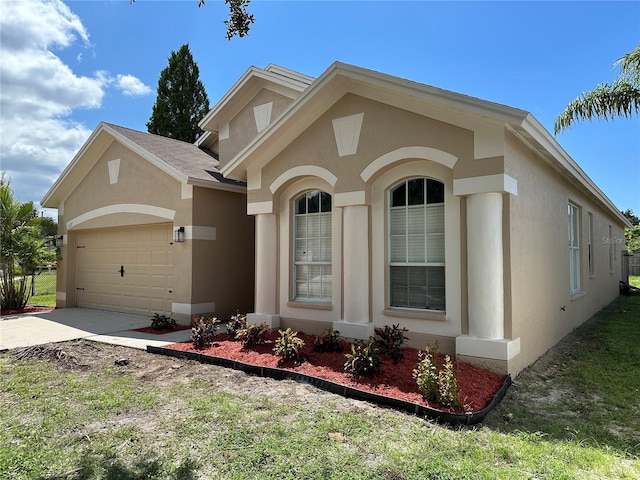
(581,420)
(634,280)
(45,290)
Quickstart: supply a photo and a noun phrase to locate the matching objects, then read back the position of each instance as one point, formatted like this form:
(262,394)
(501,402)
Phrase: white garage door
(125,269)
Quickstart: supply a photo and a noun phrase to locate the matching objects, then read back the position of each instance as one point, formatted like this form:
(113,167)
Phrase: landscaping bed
(480,390)
(26,310)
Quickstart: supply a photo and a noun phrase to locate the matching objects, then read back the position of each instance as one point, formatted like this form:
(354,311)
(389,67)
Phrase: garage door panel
(144,252)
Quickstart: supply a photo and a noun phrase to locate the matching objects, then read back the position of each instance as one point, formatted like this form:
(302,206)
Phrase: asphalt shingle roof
(187,158)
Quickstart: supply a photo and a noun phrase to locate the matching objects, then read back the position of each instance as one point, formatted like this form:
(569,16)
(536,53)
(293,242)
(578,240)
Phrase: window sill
(409,313)
(577,295)
(311,305)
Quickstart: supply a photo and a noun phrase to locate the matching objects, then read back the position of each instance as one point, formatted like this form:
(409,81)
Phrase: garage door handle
(121,270)
(80,288)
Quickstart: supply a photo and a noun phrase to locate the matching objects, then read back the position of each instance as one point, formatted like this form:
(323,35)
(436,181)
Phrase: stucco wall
(542,309)
(98,203)
(242,128)
(384,129)
(223,270)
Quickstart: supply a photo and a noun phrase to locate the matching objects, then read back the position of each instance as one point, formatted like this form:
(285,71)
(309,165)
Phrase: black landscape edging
(344,390)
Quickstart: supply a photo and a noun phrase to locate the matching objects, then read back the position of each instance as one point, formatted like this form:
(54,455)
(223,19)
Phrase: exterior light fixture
(178,235)
(60,241)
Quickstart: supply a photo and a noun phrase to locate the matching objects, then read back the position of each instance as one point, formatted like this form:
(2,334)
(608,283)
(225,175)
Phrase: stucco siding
(242,127)
(543,310)
(384,129)
(223,267)
(138,183)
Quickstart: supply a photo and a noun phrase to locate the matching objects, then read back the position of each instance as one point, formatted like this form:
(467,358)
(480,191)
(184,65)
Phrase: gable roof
(274,77)
(181,160)
(444,105)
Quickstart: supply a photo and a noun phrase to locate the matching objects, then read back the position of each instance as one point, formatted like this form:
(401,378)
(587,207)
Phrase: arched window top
(314,201)
(417,191)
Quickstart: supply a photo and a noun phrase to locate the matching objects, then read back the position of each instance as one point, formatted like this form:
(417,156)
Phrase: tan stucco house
(148,225)
(375,201)
(379,200)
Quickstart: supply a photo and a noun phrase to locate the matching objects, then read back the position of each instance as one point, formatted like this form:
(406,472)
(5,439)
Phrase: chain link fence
(43,282)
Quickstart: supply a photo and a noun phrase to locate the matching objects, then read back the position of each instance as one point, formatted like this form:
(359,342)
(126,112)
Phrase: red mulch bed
(27,309)
(175,328)
(477,386)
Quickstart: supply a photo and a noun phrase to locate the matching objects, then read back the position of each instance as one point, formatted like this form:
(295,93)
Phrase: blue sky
(68,66)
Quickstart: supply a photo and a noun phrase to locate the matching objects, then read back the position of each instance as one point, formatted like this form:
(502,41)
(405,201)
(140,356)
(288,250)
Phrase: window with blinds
(312,247)
(574,248)
(416,244)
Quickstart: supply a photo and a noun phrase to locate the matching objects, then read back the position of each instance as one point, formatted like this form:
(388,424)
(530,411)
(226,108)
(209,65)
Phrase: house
(379,200)
(148,225)
(374,201)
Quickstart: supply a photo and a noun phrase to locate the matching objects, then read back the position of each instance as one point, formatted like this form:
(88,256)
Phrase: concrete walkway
(64,324)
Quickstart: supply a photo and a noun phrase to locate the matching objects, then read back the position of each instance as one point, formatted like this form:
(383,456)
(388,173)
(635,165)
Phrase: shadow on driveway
(17,331)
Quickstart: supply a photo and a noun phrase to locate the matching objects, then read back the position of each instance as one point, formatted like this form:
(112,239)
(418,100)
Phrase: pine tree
(182,100)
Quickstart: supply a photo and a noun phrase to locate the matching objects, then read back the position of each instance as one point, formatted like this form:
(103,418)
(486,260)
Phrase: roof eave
(252,74)
(536,132)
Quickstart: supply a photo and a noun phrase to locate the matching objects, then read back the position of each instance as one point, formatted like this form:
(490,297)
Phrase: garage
(146,224)
(125,269)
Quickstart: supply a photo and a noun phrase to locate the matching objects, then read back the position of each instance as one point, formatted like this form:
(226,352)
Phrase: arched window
(312,247)
(416,245)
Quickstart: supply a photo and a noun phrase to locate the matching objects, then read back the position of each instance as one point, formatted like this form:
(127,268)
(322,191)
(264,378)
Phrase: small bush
(203,330)
(364,359)
(289,346)
(437,383)
(448,391)
(237,323)
(391,340)
(162,322)
(252,335)
(329,341)
(426,374)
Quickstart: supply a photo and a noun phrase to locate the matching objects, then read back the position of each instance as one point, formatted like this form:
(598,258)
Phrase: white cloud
(39,92)
(132,86)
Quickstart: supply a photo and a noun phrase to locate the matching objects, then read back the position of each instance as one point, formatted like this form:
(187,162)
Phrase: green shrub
(252,335)
(391,340)
(448,391)
(289,346)
(203,330)
(426,374)
(437,383)
(237,323)
(364,359)
(162,322)
(329,341)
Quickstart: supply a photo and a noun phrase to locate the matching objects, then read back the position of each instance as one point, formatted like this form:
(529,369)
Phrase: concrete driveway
(64,324)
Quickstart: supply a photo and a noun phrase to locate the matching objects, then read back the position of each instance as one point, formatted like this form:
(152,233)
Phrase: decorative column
(266,251)
(356,278)
(485,268)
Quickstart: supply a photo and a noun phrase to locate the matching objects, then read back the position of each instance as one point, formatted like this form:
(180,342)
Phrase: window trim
(294,299)
(413,311)
(573,211)
(590,249)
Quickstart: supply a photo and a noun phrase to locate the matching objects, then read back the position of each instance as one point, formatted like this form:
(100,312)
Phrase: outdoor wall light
(60,241)
(178,235)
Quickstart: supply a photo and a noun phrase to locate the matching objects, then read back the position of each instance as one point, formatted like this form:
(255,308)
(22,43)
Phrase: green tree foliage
(239,21)
(22,247)
(618,99)
(632,235)
(182,100)
(632,239)
(632,217)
